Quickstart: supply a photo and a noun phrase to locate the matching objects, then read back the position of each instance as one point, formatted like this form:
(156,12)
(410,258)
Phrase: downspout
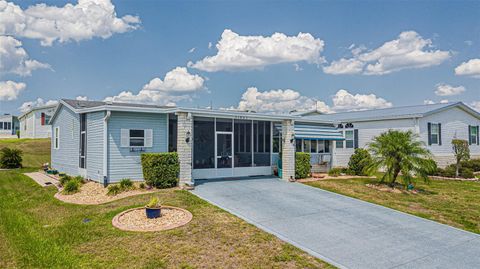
(105,148)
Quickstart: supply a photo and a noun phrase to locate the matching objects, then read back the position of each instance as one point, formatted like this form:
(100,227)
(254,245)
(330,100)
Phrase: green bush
(142,185)
(302,165)
(10,158)
(335,172)
(473,164)
(114,189)
(359,161)
(449,171)
(71,186)
(160,170)
(126,184)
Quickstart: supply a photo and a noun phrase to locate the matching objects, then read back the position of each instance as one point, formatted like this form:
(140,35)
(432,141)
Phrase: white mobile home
(8,126)
(34,122)
(103,141)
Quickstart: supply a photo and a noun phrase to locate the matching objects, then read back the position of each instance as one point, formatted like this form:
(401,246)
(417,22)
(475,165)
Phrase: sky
(274,56)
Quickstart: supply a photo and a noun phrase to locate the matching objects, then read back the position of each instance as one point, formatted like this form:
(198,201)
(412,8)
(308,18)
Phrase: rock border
(117,224)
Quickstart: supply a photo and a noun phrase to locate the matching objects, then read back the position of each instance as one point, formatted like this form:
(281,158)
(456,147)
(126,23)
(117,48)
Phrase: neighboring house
(436,126)
(35,122)
(9,125)
(104,141)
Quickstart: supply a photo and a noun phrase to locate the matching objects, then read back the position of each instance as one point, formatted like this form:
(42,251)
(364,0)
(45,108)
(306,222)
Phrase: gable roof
(402,112)
(36,108)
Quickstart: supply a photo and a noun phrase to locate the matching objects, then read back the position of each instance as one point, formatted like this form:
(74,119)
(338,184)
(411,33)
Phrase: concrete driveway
(343,231)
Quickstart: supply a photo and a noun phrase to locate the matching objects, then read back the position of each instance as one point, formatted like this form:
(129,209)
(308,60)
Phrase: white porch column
(184,147)
(288,150)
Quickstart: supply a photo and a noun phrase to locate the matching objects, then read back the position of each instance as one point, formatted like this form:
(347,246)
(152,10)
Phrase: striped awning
(317,132)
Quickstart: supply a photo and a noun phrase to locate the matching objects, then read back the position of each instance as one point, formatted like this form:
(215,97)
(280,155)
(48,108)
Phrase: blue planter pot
(153,213)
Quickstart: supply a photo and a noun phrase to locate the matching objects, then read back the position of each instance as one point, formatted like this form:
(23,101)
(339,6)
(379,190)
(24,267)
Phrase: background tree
(10,158)
(461,152)
(400,152)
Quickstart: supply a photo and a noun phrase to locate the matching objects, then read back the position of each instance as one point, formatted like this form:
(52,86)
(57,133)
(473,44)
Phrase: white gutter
(105,147)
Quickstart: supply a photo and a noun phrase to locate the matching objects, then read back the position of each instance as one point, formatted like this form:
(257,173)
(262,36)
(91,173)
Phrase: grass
(39,231)
(455,203)
(35,151)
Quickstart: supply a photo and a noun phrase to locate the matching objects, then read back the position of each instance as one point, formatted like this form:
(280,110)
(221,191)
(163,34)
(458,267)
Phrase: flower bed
(135,219)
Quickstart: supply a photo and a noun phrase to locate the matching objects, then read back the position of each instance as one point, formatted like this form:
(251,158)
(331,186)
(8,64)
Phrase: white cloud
(15,60)
(297,67)
(278,101)
(343,100)
(81,98)
(470,68)
(9,90)
(408,51)
(468,42)
(177,85)
(428,102)
(448,90)
(36,103)
(84,20)
(236,52)
(475,105)
(191,50)
(444,101)
(210,45)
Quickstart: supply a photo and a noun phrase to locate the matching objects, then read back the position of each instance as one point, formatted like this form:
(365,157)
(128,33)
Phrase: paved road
(343,231)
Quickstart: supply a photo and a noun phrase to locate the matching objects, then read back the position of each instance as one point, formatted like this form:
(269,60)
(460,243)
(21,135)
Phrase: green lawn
(456,203)
(39,231)
(35,151)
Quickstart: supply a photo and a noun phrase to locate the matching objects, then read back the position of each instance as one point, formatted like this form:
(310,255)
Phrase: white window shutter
(148,138)
(125,138)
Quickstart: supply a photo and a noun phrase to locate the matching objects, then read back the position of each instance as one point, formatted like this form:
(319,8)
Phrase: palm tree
(400,152)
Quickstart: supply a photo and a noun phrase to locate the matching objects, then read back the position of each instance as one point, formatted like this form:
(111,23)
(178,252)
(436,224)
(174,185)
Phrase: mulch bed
(135,219)
(92,193)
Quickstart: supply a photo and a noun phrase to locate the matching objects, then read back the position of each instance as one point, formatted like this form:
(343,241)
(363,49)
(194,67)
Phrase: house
(435,124)
(9,125)
(103,141)
(34,122)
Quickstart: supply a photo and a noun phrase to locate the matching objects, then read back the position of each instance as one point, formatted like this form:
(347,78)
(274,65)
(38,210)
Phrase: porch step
(319,168)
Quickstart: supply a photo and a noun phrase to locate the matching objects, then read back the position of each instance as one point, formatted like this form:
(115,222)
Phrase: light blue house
(104,141)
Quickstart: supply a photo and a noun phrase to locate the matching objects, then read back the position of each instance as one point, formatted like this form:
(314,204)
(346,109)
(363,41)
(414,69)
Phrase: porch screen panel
(262,142)
(203,143)
(243,143)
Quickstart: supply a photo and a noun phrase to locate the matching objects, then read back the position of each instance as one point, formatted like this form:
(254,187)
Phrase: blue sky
(128,59)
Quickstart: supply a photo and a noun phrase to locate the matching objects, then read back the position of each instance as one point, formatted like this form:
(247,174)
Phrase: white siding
(33,120)
(366,132)
(454,123)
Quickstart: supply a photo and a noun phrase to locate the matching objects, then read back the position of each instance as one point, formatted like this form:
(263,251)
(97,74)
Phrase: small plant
(336,171)
(142,185)
(79,179)
(114,189)
(64,179)
(302,165)
(18,133)
(10,158)
(153,203)
(461,151)
(72,186)
(126,184)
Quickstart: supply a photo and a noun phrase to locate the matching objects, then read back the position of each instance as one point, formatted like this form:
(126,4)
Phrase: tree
(400,152)
(461,152)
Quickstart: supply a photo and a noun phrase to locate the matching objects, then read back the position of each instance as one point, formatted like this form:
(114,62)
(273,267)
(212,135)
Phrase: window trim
(352,139)
(473,135)
(432,124)
(56,140)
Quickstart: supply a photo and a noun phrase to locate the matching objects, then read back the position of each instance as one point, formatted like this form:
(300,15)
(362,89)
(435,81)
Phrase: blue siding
(95,146)
(65,159)
(121,162)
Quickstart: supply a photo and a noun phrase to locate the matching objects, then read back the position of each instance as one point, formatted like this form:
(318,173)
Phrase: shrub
(153,203)
(71,186)
(142,185)
(126,184)
(114,189)
(79,179)
(160,169)
(473,164)
(10,158)
(359,161)
(335,172)
(64,179)
(449,171)
(432,167)
(302,165)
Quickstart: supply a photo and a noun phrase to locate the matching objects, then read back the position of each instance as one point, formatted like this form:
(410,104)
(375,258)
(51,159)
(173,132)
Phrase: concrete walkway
(42,179)
(343,231)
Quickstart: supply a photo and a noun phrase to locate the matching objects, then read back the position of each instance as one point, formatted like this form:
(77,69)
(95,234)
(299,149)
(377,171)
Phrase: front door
(224,150)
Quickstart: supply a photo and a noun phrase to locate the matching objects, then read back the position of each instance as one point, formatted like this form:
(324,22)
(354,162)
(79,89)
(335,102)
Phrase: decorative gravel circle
(136,220)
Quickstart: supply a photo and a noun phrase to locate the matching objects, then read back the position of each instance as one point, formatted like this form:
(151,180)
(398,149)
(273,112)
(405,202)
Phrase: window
(9,126)
(1,125)
(261,143)
(137,138)
(313,146)
(56,141)
(277,138)
(172,133)
(83,140)
(203,143)
(321,146)
(349,143)
(339,144)
(306,145)
(243,143)
(434,133)
(298,145)
(473,135)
